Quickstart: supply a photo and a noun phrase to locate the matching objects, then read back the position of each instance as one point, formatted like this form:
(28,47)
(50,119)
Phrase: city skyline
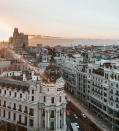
(58,88)
(72,19)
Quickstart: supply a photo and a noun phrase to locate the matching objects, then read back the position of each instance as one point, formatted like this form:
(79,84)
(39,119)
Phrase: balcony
(25,111)
(31,114)
(111,92)
(4,105)
(14,108)
(20,110)
(111,99)
(9,107)
(117,100)
(117,93)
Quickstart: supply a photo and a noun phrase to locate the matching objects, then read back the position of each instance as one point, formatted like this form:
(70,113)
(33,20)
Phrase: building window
(60,99)
(4,113)
(44,99)
(105,100)
(106,76)
(15,94)
(14,116)
(20,95)
(0,102)
(52,114)
(9,115)
(31,122)
(32,91)
(90,71)
(25,121)
(25,111)
(4,105)
(32,98)
(52,99)
(0,90)
(20,108)
(60,124)
(10,93)
(116,85)
(5,92)
(115,77)
(52,125)
(31,111)
(60,112)
(14,106)
(105,94)
(111,84)
(19,118)
(117,106)
(43,112)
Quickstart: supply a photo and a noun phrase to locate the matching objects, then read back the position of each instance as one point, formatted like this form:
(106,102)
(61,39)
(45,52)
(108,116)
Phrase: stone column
(17,117)
(28,117)
(64,113)
(48,119)
(40,118)
(12,116)
(1,112)
(56,120)
(28,122)
(22,118)
(7,115)
(45,119)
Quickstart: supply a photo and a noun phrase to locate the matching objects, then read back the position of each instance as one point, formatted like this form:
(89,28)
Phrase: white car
(76,124)
(75,116)
(83,115)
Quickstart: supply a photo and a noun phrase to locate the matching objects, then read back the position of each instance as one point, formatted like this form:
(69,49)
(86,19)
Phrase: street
(75,116)
(72,119)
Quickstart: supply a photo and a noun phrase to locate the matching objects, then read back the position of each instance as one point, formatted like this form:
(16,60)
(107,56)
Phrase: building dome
(52,72)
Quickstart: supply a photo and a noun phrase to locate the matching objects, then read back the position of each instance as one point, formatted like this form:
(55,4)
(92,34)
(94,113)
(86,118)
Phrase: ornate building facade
(32,103)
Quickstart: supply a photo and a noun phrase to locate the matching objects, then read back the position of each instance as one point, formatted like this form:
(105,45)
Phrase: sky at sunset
(61,18)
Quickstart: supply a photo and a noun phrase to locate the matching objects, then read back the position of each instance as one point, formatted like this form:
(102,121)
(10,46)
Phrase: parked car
(77,125)
(84,116)
(75,116)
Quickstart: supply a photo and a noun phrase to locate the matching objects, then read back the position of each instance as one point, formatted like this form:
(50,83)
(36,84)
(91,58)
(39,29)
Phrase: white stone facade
(33,104)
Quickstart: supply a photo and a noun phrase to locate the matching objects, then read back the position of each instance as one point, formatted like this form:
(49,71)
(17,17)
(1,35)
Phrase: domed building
(29,102)
(52,72)
(52,99)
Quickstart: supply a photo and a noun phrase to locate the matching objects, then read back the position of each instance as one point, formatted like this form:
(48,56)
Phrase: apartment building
(103,90)
(29,102)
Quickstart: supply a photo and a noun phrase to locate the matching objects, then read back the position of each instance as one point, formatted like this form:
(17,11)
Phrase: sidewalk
(92,117)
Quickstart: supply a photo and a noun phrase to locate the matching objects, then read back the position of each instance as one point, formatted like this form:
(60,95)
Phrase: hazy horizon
(92,19)
(51,41)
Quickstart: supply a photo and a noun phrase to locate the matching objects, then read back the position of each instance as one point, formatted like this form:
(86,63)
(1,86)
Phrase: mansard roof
(10,83)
